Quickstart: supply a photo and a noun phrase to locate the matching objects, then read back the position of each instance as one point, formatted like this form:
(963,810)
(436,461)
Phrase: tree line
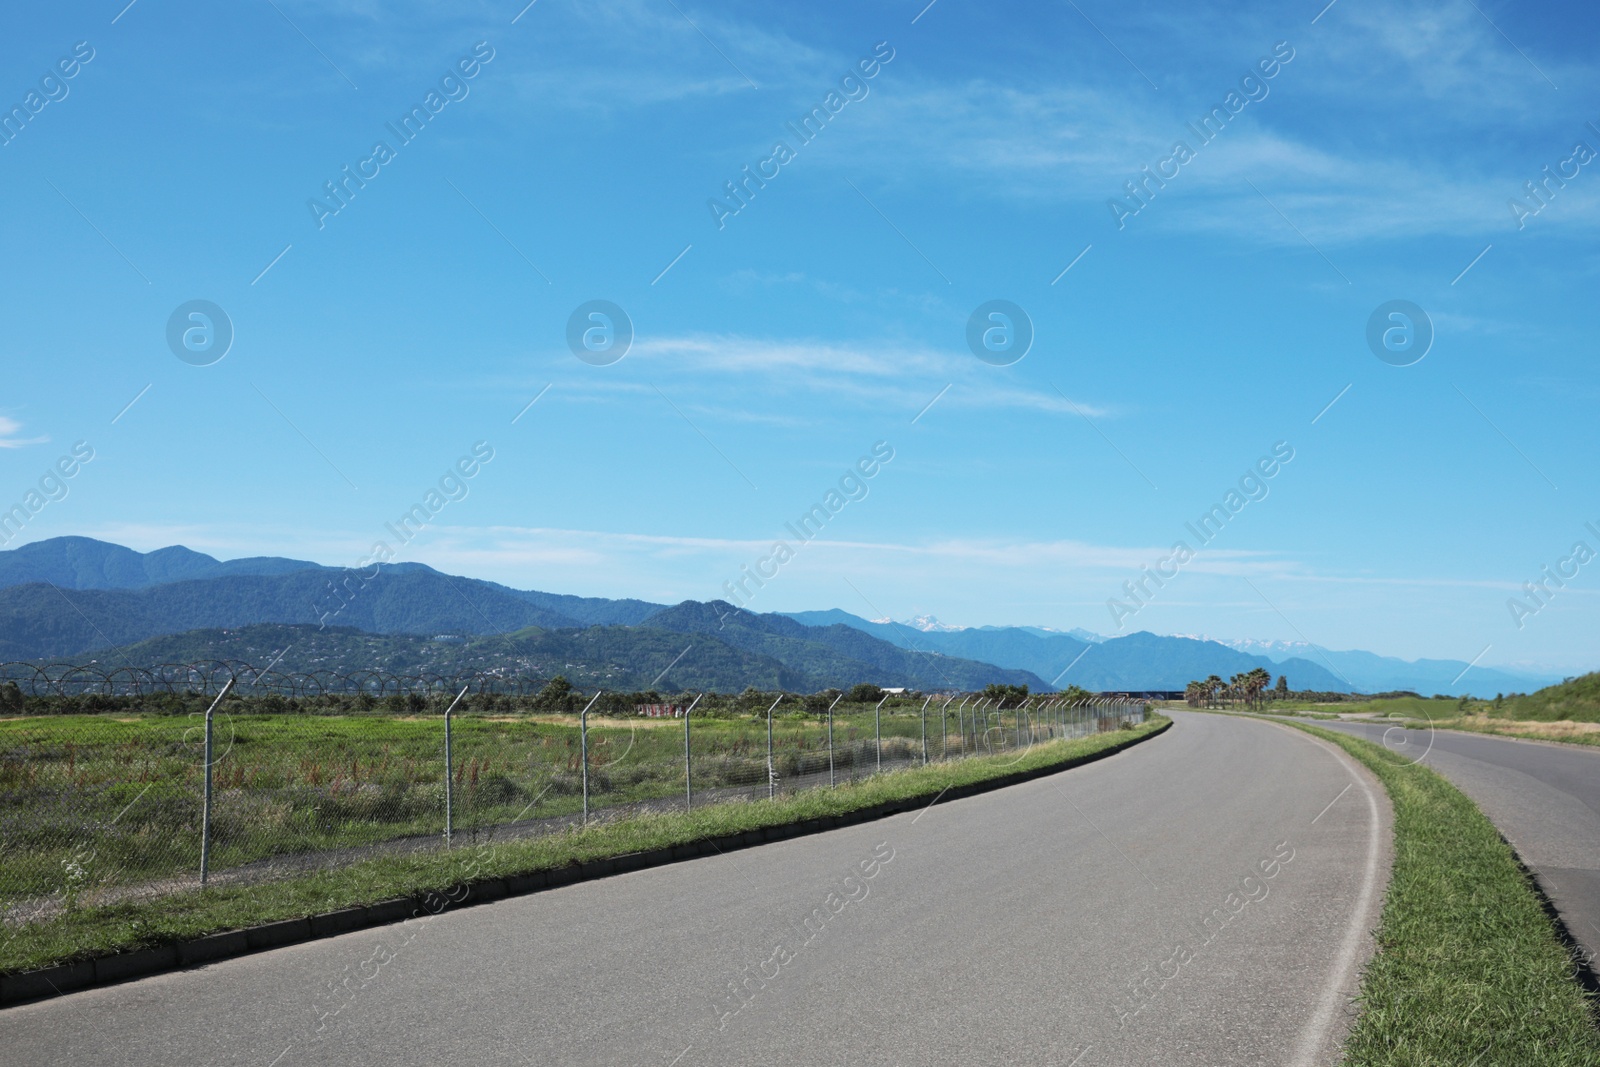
(1248,687)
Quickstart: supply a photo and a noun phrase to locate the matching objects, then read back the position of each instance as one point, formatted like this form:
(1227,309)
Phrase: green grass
(1577,700)
(105,800)
(1395,707)
(1469,969)
(1540,717)
(101,930)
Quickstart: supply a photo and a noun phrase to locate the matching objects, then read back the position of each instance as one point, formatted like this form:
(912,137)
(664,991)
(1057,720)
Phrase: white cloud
(716,373)
(9,431)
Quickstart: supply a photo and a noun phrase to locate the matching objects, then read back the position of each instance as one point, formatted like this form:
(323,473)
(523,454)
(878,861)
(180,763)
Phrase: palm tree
(1255,683)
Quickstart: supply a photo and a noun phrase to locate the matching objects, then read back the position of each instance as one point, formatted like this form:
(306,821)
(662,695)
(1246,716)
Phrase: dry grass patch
(1560,730)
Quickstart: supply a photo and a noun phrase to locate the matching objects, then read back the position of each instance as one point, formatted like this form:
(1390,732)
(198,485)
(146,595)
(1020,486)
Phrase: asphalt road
(1543,797)
(1205,898)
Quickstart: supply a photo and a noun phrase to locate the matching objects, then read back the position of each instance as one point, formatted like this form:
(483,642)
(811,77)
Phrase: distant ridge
(1372,673)
(84,563)
(1138,661)
(71,597)
(76,598)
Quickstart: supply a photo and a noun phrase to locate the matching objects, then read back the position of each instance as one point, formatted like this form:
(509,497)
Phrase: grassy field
(93,803)
(1540,716)
(1469,969)
(91,930)
(1395,707)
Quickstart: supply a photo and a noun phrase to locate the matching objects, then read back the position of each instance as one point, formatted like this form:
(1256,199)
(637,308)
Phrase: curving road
(1204,898)
(1544,797)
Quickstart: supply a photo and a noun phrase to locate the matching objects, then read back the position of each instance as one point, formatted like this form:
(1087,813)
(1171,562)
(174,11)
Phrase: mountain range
(73,598)
(1062,659)
(1307,666)
(1371,673)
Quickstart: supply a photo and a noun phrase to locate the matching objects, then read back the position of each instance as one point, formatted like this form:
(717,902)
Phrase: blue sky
(372,351)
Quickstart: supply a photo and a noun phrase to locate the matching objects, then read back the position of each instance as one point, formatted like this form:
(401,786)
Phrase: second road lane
(1544,797)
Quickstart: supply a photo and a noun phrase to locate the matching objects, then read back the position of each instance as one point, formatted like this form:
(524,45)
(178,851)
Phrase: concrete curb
(142,963)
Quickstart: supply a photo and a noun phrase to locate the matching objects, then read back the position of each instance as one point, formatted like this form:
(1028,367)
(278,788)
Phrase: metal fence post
(877,731)
(772,773)
(830,738)
(688,767)
(449,771)
(925,731)
(583,743)
(205,800)
(944,729)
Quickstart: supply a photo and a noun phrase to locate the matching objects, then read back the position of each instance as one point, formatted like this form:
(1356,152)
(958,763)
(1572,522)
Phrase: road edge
(1581,976)
(61,979)
(1546,741)
(1338,1009)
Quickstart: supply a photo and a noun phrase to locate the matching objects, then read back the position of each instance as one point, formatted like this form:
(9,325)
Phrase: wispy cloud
(536,555)
(1393,93)
(723,370)
(9,431)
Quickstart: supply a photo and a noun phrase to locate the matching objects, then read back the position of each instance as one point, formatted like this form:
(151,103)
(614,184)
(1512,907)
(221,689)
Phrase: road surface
(1544,797)
(1204,898)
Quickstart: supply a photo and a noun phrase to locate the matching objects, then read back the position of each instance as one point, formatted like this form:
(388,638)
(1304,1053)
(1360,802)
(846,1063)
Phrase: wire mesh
(97,808)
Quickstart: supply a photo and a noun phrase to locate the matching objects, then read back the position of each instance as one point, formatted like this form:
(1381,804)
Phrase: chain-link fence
(99,808)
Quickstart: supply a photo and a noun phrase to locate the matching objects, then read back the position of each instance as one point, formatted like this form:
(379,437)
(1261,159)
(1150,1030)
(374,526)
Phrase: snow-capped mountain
(926,623)
(1273,650)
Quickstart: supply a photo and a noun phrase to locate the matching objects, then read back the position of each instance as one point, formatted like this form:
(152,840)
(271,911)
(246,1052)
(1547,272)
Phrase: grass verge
(1569,713)
(99,931)
(1562,732)
(1567,733)
(1469,968)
